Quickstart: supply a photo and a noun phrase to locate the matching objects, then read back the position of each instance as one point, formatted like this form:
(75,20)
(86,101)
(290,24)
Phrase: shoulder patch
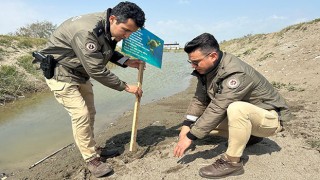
(233,83)
(91,46)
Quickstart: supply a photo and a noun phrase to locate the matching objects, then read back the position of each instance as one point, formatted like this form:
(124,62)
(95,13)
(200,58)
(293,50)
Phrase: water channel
(33,128)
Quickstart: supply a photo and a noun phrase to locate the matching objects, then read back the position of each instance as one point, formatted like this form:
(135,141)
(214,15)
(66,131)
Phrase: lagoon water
(37,126)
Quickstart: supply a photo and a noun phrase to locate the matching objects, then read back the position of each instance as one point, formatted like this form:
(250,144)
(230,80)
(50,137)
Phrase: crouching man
(233,100)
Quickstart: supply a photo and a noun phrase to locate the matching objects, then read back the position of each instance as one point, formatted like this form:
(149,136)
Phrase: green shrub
(316,20)
(5,42)
(12,82)
(6,77)
(24,44)
(6,70)
(32,42)
(26,62)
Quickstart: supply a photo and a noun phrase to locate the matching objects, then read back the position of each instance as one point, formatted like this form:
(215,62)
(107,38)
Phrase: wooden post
(133,146)
(43,159)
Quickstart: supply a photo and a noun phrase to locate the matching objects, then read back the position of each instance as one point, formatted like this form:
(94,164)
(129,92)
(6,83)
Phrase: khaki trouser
(245,119)
(78,100)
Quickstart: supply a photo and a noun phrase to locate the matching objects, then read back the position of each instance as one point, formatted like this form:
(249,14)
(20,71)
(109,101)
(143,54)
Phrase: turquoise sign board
(145,46)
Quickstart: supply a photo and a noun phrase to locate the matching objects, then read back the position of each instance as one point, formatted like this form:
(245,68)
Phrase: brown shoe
(98,168)
(221,168)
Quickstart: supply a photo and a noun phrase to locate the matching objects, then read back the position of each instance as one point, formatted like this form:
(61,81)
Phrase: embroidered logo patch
(233,83)
(91,46)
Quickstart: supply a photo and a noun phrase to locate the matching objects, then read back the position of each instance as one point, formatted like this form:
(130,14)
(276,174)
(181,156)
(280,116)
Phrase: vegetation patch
(11,81)
(21,42)
(297,27)
(2,52)
(266,56)
(288,87)
(314,143)
(249,51)
(5,41)
(26,63)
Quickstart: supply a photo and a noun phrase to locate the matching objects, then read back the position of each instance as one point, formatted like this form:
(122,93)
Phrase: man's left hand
(183,144)
(134,63)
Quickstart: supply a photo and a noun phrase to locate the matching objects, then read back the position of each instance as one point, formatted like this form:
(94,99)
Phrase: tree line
(39,29)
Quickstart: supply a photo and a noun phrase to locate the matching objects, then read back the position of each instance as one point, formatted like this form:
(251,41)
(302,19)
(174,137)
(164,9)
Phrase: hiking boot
(98,168)
(103,152)
(221,168)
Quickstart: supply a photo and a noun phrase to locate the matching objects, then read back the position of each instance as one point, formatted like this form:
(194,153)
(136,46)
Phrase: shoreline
(121,125)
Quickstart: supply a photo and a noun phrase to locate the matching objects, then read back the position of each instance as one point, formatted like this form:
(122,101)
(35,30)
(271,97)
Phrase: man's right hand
(184,131)
(134,90)
(182,145)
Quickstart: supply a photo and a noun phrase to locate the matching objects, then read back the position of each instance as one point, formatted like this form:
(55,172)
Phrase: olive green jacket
(232,80)
(83,46)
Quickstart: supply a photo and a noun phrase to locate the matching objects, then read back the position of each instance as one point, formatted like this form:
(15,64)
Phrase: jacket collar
(106,25)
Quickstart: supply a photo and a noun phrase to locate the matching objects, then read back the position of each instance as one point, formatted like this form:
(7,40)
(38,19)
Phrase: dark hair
(128,10)
(205,42)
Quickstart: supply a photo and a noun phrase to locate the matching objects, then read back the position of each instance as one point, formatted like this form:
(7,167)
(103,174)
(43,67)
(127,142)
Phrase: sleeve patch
(90,46)
(233,83)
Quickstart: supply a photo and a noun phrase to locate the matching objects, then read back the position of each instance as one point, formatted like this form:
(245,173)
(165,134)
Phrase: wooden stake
(133,144)
(50,155)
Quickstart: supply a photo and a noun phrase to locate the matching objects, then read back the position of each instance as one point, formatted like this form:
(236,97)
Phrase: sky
(173,20)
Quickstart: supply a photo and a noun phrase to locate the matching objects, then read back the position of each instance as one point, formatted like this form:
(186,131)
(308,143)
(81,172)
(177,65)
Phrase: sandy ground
(281,157)
(292,60)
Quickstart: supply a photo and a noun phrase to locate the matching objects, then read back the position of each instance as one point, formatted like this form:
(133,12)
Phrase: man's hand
(184,131)
(183,144)
(134,63)
(134,90)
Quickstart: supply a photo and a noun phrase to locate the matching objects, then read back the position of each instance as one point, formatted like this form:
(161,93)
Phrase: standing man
(82,46)
(231,99)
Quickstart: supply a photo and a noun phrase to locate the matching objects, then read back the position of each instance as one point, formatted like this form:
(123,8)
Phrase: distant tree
(38,29)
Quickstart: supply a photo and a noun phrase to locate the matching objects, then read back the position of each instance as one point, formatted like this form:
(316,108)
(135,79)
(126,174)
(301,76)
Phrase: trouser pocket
(55,85)
(269,125)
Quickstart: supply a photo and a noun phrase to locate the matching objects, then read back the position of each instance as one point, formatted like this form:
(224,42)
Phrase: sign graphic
(145,46)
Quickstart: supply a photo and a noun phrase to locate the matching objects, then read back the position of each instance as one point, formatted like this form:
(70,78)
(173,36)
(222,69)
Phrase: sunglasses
(196,63)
